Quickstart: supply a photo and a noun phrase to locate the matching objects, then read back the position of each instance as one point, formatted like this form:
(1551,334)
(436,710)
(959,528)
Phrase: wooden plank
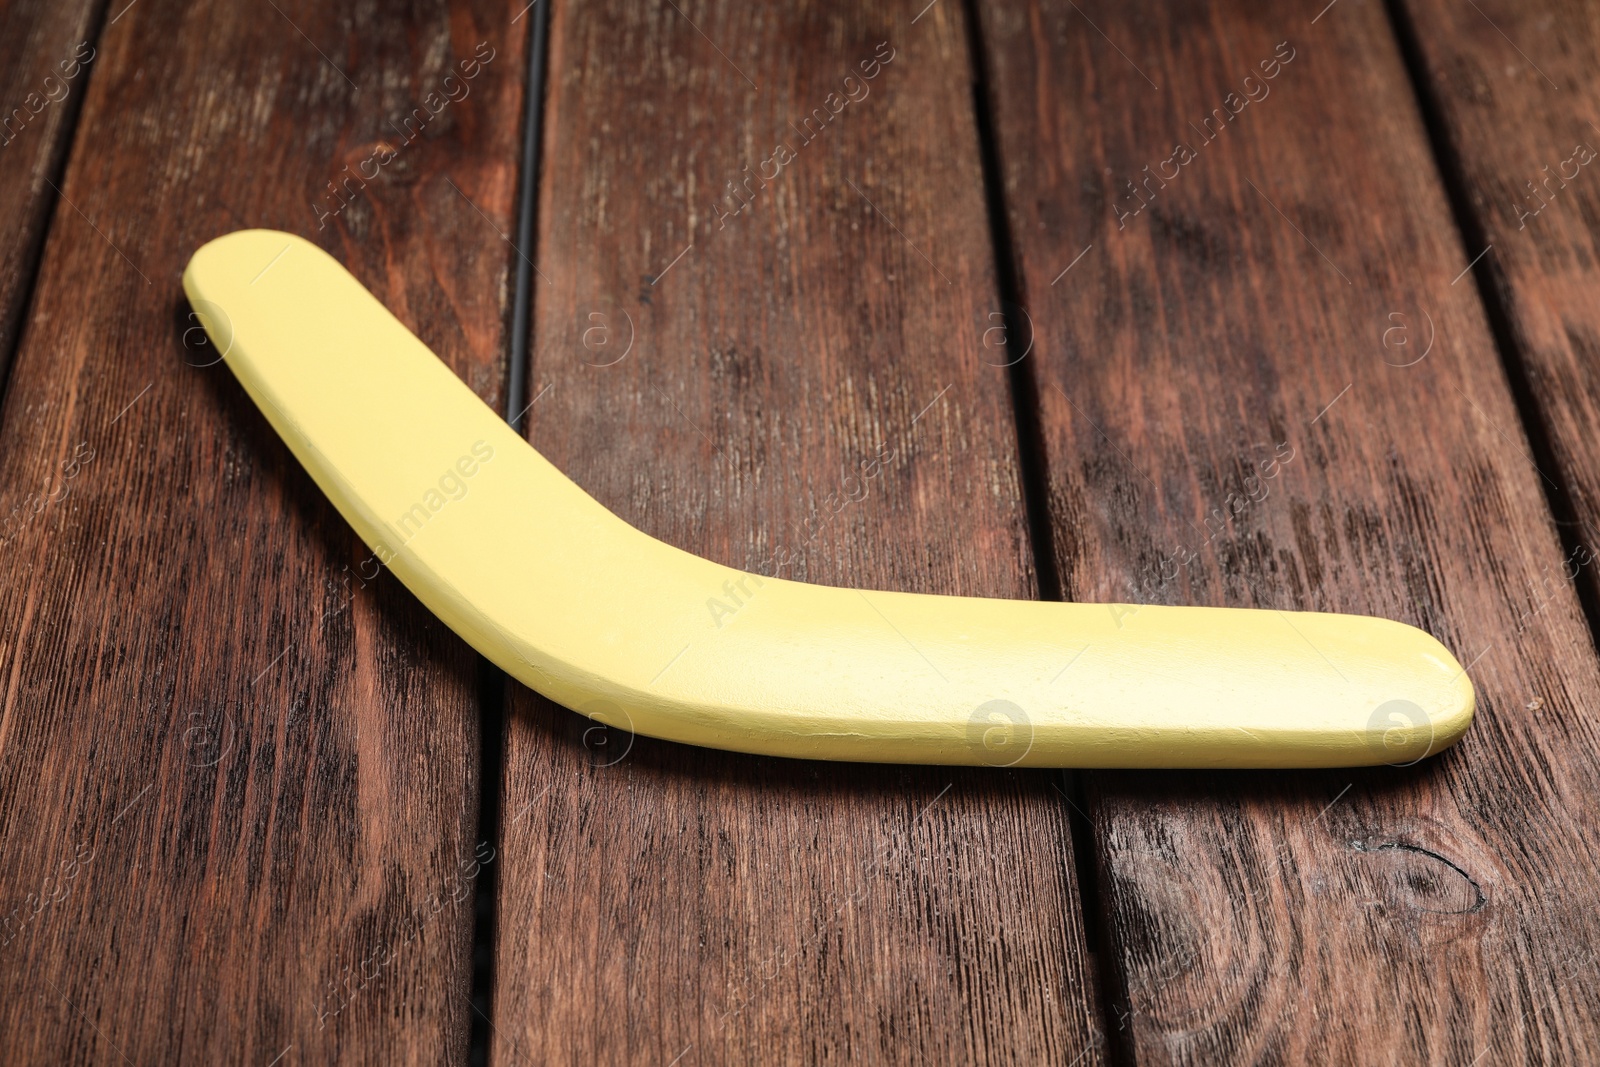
(1228,419)
(240,777)
(1513,89)
(46,55)
(807,382)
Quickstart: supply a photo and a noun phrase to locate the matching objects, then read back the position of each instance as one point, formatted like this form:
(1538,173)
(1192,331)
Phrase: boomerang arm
(602,618)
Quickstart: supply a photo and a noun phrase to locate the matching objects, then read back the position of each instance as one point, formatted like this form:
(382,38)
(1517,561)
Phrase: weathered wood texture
(240,783)
(1517,96)
(1256,303)
(46,56)
(665,904)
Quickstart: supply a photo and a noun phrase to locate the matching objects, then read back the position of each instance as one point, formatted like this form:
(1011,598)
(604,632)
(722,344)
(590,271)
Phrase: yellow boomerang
(572,601)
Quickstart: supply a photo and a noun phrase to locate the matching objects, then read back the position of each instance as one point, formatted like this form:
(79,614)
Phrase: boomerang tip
(1411,729)
(229,258)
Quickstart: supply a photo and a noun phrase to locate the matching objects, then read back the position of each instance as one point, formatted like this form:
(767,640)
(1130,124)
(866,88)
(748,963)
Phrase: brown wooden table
(1241,304)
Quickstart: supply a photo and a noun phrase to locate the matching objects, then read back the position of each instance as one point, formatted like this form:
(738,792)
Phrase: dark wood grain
(1442,913)
(1516,95)
(46,56)
(240,782)
(673,905)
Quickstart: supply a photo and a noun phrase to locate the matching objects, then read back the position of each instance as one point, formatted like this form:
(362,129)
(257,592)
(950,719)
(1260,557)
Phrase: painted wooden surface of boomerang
(606,620)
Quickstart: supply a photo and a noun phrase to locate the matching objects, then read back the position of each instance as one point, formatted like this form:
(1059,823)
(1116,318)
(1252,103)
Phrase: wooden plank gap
(1493,290)
(22,246)
(492,684)
(1108,986)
